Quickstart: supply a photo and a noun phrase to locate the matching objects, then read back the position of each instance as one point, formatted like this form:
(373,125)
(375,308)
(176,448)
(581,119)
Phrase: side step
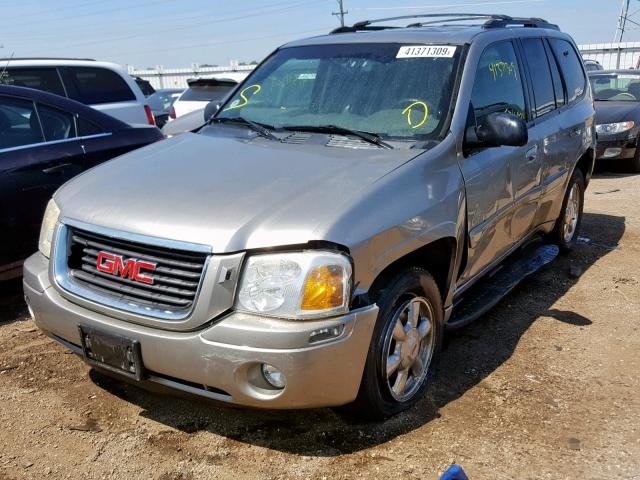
(483,296)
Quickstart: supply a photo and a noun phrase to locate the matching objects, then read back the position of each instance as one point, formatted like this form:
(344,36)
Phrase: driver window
(498,84)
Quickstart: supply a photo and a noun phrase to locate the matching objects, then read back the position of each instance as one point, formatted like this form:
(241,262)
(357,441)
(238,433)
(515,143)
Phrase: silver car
(311,244)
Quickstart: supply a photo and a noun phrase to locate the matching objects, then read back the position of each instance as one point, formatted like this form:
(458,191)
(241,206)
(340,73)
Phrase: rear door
(575,124)
(488,172)
(105,90)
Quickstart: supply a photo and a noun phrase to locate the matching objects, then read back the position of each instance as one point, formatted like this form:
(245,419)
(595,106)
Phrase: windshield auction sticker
(426,51)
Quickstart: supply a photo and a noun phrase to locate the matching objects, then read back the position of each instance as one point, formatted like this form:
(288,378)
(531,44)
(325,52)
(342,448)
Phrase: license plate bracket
(112,352)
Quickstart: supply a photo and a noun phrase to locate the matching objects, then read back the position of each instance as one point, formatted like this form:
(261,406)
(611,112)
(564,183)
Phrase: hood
(613,112)
(229,193)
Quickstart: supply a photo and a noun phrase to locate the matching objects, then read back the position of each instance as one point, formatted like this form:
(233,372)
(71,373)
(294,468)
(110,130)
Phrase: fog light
(611,152)
(273,376)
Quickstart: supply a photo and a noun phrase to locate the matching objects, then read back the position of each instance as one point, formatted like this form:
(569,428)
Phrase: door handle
(56,168)
(532,154)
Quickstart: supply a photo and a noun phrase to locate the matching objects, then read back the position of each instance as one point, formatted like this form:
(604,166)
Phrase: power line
(200,24)
(451,5)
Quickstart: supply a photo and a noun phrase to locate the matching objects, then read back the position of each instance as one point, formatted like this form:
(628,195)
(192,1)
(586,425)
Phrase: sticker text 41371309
(426,51)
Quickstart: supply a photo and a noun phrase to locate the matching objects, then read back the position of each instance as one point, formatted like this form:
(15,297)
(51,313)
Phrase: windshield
(391,90)
(616,87)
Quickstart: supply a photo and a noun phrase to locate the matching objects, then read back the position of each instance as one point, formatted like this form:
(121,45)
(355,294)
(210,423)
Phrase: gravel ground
(546,385)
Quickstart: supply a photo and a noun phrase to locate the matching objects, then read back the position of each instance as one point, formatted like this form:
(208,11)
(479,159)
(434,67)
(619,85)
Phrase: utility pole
(622,21)
(341,13)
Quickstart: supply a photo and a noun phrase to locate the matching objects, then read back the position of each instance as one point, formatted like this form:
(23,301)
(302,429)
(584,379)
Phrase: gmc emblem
(131,268)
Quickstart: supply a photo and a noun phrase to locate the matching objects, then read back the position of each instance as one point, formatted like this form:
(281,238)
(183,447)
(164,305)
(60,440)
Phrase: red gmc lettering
(116,265)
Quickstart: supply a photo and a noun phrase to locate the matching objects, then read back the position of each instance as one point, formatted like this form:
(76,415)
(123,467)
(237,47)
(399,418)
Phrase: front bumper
(222,361)
(615,147)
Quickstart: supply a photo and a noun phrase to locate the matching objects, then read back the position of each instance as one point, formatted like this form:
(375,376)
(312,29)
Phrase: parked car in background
(145,86)
(617,103)
(357,195)
(161,102)
(200,92)
(186,123)
(101,85)
(592,65)
(45,140)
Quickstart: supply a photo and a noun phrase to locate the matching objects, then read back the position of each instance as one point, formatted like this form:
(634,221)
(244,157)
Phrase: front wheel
(565,232)
(406,341)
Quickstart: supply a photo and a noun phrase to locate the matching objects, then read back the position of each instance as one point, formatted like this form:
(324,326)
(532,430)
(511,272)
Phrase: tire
(566,230)
(413,290)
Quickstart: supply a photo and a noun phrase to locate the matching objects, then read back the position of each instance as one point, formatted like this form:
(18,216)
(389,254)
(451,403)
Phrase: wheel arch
(437,257)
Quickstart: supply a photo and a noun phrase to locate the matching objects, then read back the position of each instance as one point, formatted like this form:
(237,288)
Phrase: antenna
(340,13)
(5,66)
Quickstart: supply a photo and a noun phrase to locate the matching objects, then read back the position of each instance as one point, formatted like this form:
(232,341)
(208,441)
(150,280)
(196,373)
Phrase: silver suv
(311,244)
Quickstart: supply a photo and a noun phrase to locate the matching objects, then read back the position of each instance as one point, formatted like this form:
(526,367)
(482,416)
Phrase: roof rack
(46,58)
(492,21)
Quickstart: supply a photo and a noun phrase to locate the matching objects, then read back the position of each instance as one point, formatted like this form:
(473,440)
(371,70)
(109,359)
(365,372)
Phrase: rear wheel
(565,232)
(406,341)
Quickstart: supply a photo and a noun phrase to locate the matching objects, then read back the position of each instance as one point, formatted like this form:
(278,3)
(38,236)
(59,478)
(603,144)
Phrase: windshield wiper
(259,128)
(366,136)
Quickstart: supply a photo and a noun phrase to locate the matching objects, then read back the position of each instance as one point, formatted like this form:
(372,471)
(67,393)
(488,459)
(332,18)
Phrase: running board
(480,298)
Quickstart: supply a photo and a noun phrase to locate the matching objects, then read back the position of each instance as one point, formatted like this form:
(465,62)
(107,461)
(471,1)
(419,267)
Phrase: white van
(101,85)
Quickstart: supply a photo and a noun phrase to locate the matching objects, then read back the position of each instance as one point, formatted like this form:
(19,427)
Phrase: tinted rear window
(542,83)
(571,67)
(46,79)
(99,85)
(205,93)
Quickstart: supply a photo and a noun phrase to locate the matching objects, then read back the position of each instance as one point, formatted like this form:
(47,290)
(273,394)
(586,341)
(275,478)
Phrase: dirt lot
(544,386)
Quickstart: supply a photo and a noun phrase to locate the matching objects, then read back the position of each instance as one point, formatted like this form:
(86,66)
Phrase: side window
(56,124)
(18,123)
(558,86)
(543,94)
(99,85)
(86,128)
(571,68)
(498,84)
(46,79)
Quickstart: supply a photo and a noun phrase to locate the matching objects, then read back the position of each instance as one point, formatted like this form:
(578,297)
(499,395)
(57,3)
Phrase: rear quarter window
(46,79)
(99,85)
(571,68)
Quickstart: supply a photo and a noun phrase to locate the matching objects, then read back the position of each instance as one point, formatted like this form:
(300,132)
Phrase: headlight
(295,285)
(49,221)
(611,128)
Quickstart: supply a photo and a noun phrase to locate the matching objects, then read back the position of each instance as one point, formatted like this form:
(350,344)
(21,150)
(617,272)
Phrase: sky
(179,33)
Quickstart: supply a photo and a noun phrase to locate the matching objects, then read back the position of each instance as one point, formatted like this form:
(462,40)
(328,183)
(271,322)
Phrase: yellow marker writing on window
(256,89)
(425,113)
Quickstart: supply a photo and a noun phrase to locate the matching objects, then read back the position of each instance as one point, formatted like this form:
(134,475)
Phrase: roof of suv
(440,28)
(56,62)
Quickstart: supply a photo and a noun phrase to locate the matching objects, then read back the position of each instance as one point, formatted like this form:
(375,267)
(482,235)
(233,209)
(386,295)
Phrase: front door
(489,172)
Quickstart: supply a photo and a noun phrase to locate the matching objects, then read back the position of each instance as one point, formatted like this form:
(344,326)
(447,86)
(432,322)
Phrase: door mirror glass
(496,130)
(211,109)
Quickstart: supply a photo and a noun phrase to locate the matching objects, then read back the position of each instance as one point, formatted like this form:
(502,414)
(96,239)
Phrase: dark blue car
(46,140)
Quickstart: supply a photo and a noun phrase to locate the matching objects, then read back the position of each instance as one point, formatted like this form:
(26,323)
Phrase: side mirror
(496,130)
(211,109)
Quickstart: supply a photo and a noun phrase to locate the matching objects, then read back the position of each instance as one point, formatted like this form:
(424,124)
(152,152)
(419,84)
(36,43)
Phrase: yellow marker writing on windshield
(256,89)
(407,111)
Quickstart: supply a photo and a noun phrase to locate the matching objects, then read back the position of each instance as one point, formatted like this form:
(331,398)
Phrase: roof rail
(46,58)
(492,21)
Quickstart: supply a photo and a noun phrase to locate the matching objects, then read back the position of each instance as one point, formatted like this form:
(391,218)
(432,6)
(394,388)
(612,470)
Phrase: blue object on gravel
(454,472)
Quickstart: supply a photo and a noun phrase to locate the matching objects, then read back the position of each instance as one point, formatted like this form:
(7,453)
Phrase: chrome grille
(175,280)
